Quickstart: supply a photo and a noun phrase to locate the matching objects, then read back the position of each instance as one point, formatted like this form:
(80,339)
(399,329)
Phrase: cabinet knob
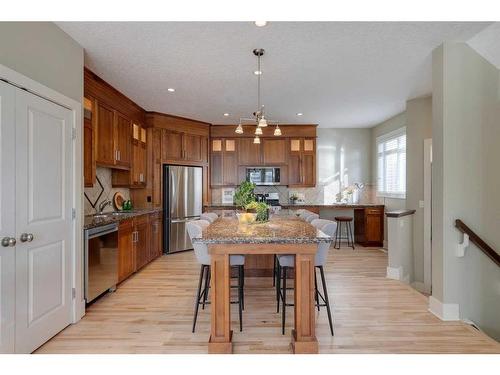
(26,237)
(8,242)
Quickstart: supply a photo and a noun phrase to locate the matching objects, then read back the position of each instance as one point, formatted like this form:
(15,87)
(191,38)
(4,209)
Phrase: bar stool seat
(346,220)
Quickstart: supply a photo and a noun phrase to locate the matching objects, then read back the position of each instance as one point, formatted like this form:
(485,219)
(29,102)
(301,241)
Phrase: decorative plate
(118,200)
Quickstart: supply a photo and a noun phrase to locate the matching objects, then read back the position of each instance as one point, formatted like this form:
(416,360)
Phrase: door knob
(26,237)
(8,242)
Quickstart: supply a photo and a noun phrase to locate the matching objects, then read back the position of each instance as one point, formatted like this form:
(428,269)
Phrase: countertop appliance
(263,175)
(272,199)
(101,260)
(182,202)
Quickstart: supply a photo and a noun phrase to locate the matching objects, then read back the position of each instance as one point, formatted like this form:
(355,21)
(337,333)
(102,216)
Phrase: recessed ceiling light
(170,89)
(226,114)
(257,72)
(260,23)
(299,113)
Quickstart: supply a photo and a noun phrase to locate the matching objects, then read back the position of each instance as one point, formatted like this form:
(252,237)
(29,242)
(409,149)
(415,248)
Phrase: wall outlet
(421,204)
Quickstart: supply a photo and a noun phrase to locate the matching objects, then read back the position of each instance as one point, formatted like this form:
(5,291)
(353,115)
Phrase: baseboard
(444,311)
(385,244)
(420,286)
(397,273)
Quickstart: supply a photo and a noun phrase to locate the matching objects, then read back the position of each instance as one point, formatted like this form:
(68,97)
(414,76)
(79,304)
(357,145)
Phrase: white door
(43,201)
(7,218)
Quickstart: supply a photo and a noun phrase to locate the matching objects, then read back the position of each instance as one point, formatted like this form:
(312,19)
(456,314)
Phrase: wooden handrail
(483,246)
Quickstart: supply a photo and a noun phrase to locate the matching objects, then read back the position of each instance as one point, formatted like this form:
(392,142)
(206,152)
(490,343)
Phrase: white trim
(397,273)
(417,285)
(20,80)
(427,215)
(391,134)
(444,311)
(383,194)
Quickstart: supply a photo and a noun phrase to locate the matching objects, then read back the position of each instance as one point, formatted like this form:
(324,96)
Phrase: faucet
(103,205)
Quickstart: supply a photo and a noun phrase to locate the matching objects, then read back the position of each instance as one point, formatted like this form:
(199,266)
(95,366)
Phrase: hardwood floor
(152,312)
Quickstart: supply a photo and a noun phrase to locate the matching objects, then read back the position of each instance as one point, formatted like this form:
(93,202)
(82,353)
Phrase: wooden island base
(303,336)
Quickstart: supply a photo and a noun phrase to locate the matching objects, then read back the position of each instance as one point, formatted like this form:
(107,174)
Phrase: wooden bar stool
(338,235)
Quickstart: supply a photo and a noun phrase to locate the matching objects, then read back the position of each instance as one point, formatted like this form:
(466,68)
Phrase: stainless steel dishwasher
(101,260)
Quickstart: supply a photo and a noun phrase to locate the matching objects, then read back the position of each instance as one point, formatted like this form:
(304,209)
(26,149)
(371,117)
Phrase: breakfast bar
(282,234)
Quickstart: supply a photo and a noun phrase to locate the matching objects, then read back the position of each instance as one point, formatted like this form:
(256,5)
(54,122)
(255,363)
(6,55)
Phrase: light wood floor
(152,313)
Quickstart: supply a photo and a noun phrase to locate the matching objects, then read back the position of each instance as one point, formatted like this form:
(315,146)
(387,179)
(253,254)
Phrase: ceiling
(338,74)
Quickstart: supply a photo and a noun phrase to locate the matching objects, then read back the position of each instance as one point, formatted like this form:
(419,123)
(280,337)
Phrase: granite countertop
(303,205)
(279,229)
(91,222)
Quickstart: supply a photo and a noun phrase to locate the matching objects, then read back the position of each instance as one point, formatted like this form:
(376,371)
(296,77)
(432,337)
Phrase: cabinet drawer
(374,211)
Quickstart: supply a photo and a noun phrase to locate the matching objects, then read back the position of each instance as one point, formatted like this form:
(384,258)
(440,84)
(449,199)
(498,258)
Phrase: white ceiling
(339,74)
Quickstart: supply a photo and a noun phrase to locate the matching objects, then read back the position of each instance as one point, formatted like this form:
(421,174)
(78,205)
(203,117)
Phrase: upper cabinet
(224,162)
(302,162)
(248,152)
(181,146)
(88,143)
(274,151)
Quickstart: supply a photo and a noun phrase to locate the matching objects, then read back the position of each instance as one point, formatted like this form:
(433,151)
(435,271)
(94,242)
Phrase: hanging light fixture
(259,119)
(277,130)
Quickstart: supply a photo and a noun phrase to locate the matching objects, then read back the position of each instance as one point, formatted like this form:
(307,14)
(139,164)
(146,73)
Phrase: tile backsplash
(104,175)
(317,195)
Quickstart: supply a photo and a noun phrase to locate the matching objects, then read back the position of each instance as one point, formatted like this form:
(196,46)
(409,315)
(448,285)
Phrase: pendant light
(259,119)
(277,131)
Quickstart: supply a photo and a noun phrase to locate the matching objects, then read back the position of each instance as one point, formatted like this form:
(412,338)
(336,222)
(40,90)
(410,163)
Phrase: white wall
(44,53)
(387,126)
(466,181)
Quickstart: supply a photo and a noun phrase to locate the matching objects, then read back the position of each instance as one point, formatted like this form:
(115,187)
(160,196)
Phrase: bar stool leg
(327,302)
(274,270)
(278,287)
(351,235)
(283,316)
(240,295)
(198,295)
(207,285)
(316,289)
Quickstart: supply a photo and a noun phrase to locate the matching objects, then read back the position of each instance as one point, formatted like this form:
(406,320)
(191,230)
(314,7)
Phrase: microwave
(263,175)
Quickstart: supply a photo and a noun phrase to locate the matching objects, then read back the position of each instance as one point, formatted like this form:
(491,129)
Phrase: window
(391,167)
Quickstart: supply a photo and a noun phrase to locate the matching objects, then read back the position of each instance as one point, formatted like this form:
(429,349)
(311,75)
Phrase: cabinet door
(230,169)
(204,149)
(141,241)
(294,170)
(374,227)
(105,135)
(88,144)
(248,152)
(156,173)
(126,255)
(308,170)
(123,140)
(216,169)
(171,145)
(274,151)
(191,147)
(155,239)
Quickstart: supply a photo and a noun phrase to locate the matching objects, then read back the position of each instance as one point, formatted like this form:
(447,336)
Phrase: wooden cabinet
(126,255)
(224,162)
(155,226)
(156,175)
(302,162)
(105,136)
(88,143)
(274,151)
(141,241)
(180,146)
(112,138)
(248,152)
(369,226)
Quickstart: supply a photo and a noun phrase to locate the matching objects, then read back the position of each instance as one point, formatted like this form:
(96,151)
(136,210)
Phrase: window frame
(384,139)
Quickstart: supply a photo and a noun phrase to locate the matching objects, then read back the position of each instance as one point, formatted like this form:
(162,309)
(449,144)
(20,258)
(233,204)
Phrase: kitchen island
(282,234)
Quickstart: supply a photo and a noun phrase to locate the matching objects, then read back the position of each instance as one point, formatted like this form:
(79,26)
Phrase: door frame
(21,81)
(428,215)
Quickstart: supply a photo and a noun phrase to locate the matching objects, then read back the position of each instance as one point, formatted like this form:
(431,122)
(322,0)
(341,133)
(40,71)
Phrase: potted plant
(244,194)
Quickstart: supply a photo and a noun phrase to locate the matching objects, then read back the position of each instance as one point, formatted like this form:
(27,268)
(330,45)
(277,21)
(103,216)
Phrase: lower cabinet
(139,242)
(369,226)
(126,254)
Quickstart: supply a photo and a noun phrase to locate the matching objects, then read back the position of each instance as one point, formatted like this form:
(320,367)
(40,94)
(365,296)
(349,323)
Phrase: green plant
(262,211)
(244,194)
(252,206)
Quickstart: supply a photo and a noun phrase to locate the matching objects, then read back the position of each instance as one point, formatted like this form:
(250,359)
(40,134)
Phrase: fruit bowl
(246,217)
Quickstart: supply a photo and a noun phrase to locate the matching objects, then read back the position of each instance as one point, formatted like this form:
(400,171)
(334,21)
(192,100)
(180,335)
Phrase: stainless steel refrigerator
(182,202)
